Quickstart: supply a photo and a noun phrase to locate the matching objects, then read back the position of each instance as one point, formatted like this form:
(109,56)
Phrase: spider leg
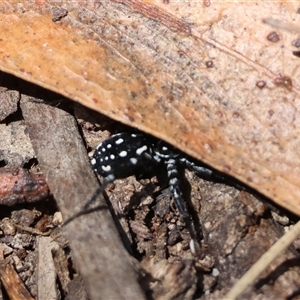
(210,175)
(180,204)
(106,181)
(174,186)
(110,178)
(201,171)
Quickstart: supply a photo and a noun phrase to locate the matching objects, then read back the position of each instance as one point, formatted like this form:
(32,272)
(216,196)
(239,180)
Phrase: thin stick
(252,274)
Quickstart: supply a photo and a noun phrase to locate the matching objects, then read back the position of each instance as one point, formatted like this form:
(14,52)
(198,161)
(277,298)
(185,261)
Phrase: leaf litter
(285,112)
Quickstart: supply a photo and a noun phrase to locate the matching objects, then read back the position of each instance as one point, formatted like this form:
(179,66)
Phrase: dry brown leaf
(210,78)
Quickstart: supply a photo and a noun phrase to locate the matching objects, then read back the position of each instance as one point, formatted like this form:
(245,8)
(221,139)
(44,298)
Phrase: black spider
(125,154)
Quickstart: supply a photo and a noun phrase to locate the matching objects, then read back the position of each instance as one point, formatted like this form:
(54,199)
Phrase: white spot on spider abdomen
(140,150)
(123,153)
(119,141)
(133,160)
(106,168)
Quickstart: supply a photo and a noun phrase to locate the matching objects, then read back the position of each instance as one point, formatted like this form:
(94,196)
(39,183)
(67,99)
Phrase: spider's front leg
(203,172)
(86,208)
(106,181)
(173,176)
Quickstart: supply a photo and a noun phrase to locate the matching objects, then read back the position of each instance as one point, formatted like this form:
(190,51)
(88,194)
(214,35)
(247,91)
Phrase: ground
(234,225)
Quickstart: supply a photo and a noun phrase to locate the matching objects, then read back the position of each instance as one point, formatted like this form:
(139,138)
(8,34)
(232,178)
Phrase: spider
(126,154)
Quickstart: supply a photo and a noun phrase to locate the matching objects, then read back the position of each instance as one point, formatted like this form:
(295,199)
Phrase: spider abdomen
(122,155)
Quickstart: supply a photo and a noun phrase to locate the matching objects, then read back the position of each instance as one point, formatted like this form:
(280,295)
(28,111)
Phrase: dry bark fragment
(9,103)
(46,269)
(171,280)
(76,290)
(105,266)
(18,185)
(12,283)
(15,146)
(238,230)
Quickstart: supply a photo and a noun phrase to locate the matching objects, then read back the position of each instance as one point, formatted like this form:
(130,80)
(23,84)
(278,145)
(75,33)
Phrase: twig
(252,274)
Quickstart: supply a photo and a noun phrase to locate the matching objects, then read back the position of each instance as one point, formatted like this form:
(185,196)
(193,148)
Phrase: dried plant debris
(52,268)
(21,182)
(198,52)
(19,185)
(264,262)
(63,159)
(9,102)
(234,229)
(176,280)
(15,145)
(23,253)
(12,282)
